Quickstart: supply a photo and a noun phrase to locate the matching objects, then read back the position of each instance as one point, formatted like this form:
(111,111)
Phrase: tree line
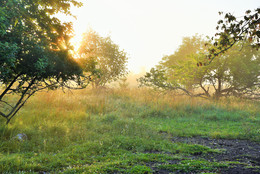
(235,73)
(235,70)
(36,54)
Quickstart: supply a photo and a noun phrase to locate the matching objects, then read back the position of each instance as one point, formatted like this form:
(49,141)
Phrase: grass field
(122,131)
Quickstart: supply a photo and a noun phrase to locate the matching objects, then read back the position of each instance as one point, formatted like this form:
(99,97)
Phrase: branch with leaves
(231,30)
(157,80)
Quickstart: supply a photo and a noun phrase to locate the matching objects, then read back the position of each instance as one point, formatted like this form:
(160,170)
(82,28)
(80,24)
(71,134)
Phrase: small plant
(140,169)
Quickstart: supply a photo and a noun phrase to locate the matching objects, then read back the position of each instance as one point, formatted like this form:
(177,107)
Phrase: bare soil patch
(243,151)
(244,155)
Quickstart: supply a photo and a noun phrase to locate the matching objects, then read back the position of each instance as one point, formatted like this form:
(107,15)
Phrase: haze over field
(149,29)
(189,104)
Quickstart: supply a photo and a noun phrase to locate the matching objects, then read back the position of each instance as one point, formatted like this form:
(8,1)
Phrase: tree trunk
(218,91)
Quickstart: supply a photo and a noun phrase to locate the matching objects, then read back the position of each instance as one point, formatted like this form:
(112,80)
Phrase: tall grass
(93,130)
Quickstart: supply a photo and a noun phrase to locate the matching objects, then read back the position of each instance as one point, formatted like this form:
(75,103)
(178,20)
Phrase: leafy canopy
(231,30)
(102,58)
(34,50)
(235,73)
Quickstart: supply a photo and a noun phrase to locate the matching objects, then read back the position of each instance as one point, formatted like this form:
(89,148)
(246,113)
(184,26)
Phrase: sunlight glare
(75,41)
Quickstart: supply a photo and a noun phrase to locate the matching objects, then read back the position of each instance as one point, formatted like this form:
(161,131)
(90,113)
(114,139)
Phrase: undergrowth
(120,131)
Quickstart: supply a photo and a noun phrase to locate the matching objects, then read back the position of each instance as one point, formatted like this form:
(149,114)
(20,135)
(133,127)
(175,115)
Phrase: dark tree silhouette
(34,51)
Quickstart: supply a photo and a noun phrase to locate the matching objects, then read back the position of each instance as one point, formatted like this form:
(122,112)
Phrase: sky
(147,30)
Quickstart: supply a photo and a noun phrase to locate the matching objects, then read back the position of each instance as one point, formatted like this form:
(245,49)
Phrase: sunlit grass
(113,130)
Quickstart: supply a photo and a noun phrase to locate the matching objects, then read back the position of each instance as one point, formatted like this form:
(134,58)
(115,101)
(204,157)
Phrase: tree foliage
(231,30)
(34,50)
(102,58)
(182,57)
(235,73)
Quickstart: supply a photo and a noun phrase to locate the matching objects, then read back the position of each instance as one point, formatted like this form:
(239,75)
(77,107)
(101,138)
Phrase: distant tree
(123,84)
(102,59)
(231,30)
(183,57)
(235,73)
(34,50)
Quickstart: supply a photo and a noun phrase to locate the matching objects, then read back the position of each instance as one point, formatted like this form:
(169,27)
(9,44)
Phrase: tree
(235,73)
(231,30)
(183,57)
(102,59)
(34,50)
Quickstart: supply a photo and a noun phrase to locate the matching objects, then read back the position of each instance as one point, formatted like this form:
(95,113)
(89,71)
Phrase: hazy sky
(149,29)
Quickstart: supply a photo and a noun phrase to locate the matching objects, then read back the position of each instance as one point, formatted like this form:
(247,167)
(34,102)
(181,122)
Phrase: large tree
(34,50)
(235,73)
(102,59)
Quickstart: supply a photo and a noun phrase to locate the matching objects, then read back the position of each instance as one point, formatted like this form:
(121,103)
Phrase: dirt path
(244,152)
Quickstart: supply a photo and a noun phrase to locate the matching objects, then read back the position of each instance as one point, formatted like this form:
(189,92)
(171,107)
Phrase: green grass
(193,165)
(119,131)
(213,123)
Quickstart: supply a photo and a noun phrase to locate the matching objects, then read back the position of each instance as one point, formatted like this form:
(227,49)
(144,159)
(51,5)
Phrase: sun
(75,41)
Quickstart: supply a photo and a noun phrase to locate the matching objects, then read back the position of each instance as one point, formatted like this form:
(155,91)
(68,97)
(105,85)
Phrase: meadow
(127,131)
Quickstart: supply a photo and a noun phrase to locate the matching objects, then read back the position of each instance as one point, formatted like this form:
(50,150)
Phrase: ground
(245,152)
(131,131)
